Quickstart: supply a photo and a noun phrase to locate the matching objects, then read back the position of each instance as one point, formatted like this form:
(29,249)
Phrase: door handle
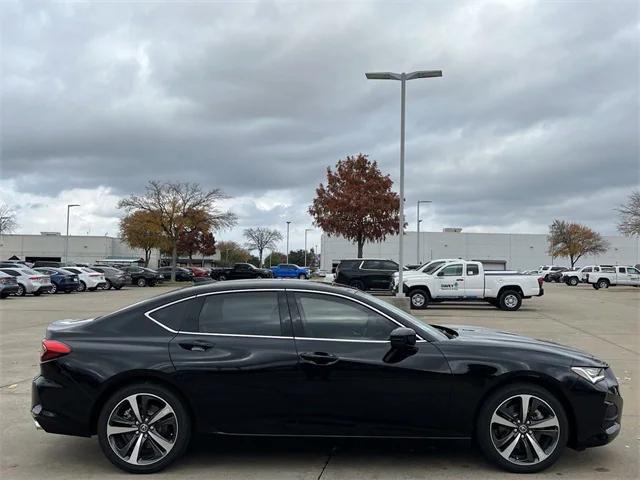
(459,279)
(197,345)
(319,358)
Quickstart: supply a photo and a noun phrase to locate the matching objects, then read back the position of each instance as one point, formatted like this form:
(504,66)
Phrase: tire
(37,294)
(67,291)
(258,276)
(21,291)
(510,300)
(595,286)
(141,282)
(357,284)
(542,407)
(546,278)
(573,281)
(4,295)
(82,286)
(222,277)
(119,287)
(302,276)
(603,283)
(53,289)
(108,286)
(173,431)
(419,299)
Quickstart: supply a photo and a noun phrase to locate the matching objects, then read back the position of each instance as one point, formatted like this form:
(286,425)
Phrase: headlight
(591,374)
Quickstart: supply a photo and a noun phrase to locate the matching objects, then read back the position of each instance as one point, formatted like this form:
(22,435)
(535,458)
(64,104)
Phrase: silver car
(29,281)
(8,285)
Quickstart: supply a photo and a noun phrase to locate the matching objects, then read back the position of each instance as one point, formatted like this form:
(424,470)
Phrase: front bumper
(9,289)
(598,412)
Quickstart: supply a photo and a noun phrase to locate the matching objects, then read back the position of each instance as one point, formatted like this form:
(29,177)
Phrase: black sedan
(142,276)
(114,277)
(182,274)
(295,358)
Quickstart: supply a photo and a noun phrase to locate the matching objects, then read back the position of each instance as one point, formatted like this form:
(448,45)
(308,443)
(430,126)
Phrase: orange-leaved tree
(573,240)
(357,202)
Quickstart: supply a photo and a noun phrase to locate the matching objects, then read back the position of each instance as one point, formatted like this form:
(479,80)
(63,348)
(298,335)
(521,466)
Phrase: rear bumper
(541,292)
(55,409)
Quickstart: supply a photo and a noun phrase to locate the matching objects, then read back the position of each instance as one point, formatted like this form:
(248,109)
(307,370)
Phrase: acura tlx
(296,358)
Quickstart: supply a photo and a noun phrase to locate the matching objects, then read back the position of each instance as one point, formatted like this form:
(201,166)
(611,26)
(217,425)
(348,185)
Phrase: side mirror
(402,338)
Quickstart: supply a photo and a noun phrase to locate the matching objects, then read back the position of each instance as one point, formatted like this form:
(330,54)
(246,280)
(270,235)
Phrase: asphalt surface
(604,322)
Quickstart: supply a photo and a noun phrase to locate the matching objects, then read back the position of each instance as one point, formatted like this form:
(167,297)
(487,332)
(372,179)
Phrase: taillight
(53,349)
(35,278)
(540,281)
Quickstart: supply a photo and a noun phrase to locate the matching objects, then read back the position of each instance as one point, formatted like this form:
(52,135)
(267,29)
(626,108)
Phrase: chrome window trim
(149,312)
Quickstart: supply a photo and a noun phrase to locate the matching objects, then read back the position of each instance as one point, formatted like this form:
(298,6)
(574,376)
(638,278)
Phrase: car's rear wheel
(53,288)
(419,299)
(143,428)
(522,428)
(603,283)
(357,284)
(141,282)
(82,286)
(222,278)
(108,285)
(510,300)
(21,291)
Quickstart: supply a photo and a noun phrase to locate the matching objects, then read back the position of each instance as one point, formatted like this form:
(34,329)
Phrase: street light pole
(403,77)
(418,221)
(66,239)
(288,223)
(305,244)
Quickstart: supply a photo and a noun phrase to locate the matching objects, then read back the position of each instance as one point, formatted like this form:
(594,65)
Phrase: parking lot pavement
(604,322)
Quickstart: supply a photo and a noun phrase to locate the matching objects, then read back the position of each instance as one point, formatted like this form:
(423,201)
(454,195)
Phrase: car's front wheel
(302,276)
(82,286)
(522,428)
(21,292)
(419,299)
(108,285)
(573,281)
(143,428)
(53,288)
(141,282)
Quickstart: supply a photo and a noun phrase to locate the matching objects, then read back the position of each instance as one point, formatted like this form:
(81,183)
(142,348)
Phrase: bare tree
(261,238)
(629,215)
(7,218)
(175,205)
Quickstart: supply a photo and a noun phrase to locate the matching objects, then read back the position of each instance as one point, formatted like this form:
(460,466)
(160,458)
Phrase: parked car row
(599,276)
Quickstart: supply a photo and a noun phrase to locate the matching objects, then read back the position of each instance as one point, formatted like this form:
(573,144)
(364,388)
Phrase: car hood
(497,339)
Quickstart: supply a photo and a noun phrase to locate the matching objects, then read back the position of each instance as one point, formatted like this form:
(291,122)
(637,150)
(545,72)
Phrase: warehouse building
(50,246)
(509,251)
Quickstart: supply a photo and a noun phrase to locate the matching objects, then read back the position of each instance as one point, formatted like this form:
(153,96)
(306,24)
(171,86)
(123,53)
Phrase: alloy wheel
(142,429)
(53,288)
(525,430)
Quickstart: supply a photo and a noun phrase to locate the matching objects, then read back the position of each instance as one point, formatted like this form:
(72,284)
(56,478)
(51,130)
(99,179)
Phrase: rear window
(608,270)
(473,270)
(349,264)
(622,270)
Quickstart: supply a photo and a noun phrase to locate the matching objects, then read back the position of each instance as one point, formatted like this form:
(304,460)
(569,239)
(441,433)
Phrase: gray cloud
(536,116)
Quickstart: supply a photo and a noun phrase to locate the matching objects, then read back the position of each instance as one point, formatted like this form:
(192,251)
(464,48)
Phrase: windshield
(433,267)
(406,317)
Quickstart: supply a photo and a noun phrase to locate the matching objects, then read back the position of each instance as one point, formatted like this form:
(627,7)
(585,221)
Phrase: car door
(473,281)
(449,282)
(352,382)
(235,358)
(633,275)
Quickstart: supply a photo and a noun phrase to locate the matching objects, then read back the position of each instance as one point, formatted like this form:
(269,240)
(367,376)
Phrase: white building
(498,250)
(82,248)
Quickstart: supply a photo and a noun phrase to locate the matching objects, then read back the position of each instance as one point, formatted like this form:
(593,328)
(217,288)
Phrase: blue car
(289,270)
(61,280)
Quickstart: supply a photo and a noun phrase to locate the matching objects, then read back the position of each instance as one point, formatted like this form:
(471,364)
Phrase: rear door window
(244,313)
(473,270)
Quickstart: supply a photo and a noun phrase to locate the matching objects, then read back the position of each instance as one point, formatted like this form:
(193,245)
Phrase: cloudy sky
(536,116)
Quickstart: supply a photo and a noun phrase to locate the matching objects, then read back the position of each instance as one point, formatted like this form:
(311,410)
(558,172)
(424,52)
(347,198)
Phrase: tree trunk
(174,260)
(147,256)
(260,250)
(360,246)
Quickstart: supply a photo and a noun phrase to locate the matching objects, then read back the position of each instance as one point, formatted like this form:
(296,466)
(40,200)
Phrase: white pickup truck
(428,267)
(575,276)
(607,277)
(467,281)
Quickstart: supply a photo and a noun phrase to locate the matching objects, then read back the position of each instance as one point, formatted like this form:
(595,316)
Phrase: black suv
(366,273)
